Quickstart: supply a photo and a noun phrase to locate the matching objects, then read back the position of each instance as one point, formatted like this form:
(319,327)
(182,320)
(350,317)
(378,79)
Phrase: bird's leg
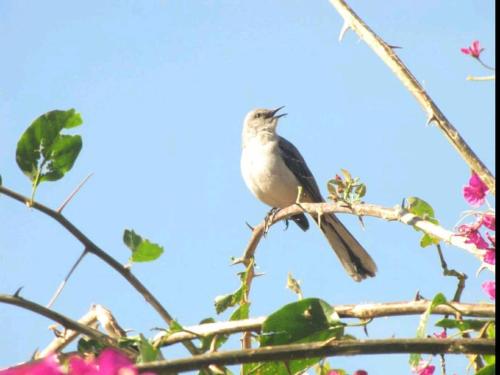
(299,196)
(268,221)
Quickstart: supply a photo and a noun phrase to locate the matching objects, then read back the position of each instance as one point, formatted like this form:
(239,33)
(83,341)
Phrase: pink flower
(109,362)
(47,366)
(79,366)
(475,192)
(474,50)
(424,368)
(360,372)
(489,221)
(489,288)
(441,335)
(333,372)
(473,236)
(492,239)
(489,257)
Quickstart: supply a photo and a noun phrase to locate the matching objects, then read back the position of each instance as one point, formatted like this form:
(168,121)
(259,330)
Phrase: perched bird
(273,170)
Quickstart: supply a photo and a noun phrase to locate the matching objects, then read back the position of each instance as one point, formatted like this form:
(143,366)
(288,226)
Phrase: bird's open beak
(274,111)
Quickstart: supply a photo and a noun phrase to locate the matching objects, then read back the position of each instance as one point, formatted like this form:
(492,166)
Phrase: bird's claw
(268,221)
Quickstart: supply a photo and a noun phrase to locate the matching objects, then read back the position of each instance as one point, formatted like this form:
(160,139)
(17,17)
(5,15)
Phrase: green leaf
(439,299)
(147,352)
(306,320)
(489,359)
(242,312)
(487,370)
(174,326)
(490,331)
(223,302)
(142,249)
(428,240)
(207,342)
(424,210)
(347,175)
(361,190)
(420,208)
(65,150)
(89,346)
(462,325)
(294,285)
(43,153)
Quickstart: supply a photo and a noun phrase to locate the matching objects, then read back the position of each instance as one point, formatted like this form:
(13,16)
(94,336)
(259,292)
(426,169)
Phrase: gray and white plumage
(273,170)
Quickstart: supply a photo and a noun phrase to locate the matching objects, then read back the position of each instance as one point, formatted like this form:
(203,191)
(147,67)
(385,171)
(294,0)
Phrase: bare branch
(389,57)
(484,78)
(91,247)
(63,320)
(364,209)
(322,349)
(365,311)
(59,343)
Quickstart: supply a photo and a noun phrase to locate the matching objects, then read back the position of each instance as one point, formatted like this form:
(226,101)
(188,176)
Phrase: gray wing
(296,163)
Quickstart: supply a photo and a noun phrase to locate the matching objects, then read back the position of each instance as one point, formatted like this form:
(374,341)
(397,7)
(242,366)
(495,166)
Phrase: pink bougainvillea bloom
(473,236)
(333,372)
(424,368)
(474,50)
(79,366)
(113,362)
(109,362)
(360,372)
(475,192)
(489,257)
(491,238)
(489,288)
(47,366)
(441,335)
(489,221)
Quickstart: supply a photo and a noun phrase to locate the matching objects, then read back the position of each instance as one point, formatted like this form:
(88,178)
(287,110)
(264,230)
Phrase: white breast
(266,174)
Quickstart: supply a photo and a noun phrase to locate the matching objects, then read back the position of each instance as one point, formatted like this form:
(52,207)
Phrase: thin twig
(461,277)
(73,193)
(64,282)
(389,57)
(484,78)
(97,251)
(322,349)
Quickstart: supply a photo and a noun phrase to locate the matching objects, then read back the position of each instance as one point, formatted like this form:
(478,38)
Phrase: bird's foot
(268,221)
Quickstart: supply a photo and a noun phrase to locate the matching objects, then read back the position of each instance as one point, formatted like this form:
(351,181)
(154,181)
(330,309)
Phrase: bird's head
(261,119)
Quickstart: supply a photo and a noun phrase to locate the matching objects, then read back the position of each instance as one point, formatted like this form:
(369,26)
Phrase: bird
(274,170)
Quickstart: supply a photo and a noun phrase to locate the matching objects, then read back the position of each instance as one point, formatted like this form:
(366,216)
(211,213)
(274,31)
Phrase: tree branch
(91,247)
(365,311)
(63,320)
(389,57)
(483,78)
(60,342)
(364,209)
(322,349)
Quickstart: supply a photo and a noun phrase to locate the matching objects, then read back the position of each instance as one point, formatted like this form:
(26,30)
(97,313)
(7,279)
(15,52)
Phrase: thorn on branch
(345,27)
(73,193)
(432,118)
(17,293)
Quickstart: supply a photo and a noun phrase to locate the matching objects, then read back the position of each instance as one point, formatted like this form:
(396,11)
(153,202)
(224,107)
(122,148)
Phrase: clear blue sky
(163,87)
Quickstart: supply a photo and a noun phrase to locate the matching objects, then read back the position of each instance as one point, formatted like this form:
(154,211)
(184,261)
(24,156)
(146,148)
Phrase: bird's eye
(258,115)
